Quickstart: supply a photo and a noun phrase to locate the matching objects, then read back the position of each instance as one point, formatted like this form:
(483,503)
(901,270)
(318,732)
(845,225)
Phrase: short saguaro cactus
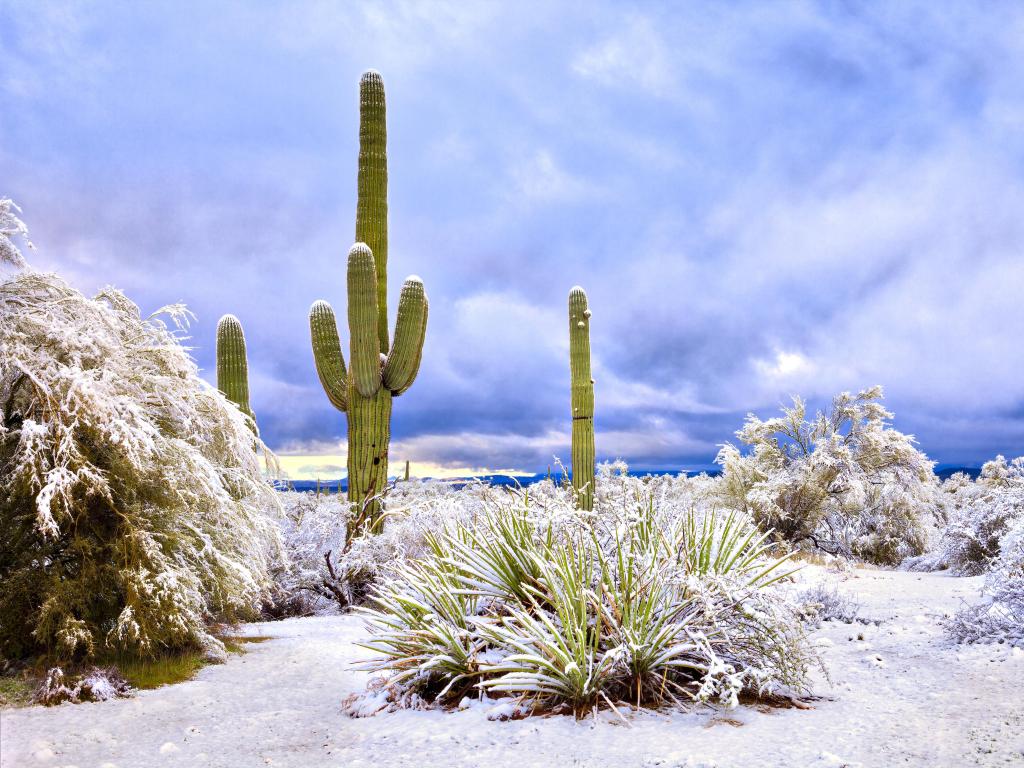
(233,365)
(582,398)
(379,370)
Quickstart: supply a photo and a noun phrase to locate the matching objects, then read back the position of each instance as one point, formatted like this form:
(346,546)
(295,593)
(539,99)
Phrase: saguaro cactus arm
(232,363)
(372,203)
(330,362)
(363,320)
(582,398)
(403,362)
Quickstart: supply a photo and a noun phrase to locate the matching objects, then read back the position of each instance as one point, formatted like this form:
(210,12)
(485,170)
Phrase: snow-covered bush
(133,506)
(999,617)
(845,481)
(638,601)
(323,569)
(824,602)
(979,514)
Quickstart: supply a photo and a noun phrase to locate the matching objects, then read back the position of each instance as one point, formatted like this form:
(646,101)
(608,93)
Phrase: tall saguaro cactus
(379,370)
(232,364)
(582,398)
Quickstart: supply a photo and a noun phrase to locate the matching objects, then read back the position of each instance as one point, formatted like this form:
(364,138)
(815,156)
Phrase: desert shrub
(323,569)
(999,617)
(635,602)
(824,602)
(979,515)
(133,506)
(845,481)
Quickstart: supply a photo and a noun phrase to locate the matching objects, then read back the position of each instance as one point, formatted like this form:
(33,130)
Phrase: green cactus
(582,399)
(379,371)
(232,365)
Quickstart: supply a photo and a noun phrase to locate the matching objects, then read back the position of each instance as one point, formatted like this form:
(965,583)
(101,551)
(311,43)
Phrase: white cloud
(634,55)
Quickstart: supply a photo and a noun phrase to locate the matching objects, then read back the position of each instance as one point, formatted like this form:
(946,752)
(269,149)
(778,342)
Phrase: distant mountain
(341,486)
(943,471)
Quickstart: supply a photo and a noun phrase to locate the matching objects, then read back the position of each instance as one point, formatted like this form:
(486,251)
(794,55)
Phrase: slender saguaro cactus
(379,370)
(582,399)
(232,364)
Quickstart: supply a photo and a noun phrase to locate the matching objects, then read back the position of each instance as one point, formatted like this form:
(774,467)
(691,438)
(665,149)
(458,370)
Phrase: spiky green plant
(582,398)
(233,365)
(379,371)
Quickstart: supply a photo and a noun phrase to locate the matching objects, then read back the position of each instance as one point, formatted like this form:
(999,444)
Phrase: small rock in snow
(168,748)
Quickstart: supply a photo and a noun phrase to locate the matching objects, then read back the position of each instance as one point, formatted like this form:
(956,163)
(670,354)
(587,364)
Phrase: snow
(930,704)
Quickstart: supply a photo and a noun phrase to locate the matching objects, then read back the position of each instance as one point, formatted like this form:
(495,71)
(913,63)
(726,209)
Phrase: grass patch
(161,670)
(17,691)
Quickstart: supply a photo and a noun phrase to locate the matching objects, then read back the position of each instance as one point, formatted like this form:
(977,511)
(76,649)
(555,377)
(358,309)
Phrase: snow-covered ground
(899,694)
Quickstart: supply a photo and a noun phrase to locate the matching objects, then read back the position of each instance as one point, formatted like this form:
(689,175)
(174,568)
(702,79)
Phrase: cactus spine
(378,370)
(582,399)
(232,364)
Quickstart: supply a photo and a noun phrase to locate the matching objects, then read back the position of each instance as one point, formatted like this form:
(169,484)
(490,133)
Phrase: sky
(761,199)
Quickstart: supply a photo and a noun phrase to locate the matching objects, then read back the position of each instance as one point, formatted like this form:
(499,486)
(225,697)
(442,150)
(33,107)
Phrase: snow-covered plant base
(94,685)
(133,507)
(636,602)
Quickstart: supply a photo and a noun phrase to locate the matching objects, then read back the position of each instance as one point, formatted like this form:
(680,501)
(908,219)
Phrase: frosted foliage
(985,535)
(324,570)
(843,481)
(133,504)
(1000,615)
(11,228)
(979,515)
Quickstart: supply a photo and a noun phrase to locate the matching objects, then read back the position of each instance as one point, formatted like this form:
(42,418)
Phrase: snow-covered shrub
(824,602)
(323,569)
(979,514)
(999,617)
(94,684)
(845,481)
(133,506)
(637,601)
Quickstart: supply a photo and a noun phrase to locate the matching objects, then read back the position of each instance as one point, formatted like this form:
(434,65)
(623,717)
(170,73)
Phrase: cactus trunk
(582,399)
(369,434)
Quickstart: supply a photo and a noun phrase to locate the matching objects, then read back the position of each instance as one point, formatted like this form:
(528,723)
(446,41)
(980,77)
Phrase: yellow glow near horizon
(331,466)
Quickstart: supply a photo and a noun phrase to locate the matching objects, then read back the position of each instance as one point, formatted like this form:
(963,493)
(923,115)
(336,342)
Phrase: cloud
(759,201)
(634,55)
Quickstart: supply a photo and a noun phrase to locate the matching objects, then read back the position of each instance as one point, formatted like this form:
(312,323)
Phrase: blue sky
(761,199)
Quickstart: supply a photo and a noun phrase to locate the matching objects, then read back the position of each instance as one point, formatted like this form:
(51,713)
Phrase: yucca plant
(635,605)
(423,634)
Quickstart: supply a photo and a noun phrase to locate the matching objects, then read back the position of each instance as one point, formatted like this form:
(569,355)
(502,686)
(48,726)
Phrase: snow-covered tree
(133,504)
(844,480)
